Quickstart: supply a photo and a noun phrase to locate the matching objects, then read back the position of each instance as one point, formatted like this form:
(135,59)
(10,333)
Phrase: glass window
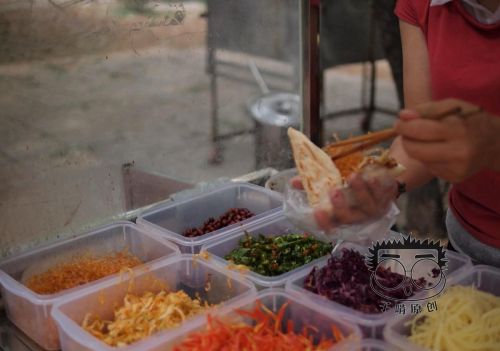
(111,105)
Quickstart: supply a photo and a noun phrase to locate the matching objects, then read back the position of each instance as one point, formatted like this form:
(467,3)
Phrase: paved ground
(68,118)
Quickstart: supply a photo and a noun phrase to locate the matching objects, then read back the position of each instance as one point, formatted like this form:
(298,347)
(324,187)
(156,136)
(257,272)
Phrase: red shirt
(464,57)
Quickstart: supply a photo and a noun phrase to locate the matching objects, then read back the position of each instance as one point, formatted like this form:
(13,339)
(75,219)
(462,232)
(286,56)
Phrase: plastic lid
(277,109)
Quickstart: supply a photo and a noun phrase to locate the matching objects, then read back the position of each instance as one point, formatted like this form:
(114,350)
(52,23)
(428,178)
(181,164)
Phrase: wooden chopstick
(377,138)
(372,139)
(361,138)
(375,135)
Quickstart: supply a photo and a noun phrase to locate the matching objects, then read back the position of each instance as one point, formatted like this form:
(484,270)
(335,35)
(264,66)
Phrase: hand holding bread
(352,189)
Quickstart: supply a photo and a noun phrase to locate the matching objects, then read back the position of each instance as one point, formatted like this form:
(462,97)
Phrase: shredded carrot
(265,332)
(349,164)
(336,333)
(80,270)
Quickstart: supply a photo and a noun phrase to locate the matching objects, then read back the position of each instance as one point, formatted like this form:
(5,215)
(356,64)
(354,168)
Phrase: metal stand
(367,108)
(216,156)
(243,35)
(310,72)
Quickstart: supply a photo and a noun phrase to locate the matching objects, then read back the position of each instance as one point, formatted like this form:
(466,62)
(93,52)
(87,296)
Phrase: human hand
(452,148)
(366,197)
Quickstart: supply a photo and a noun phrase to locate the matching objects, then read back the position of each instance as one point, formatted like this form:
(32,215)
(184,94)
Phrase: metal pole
(216,153)
(310,70)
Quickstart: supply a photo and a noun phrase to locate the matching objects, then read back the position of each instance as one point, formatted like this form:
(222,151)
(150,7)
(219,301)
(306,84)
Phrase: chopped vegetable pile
(466,319)
(142,316)
(350,163)
(232,216)
(271,256)
(79,271)
(267,333)
(346,280)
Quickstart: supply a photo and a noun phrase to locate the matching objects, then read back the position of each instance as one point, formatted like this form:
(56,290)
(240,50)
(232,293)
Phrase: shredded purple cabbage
(346,280)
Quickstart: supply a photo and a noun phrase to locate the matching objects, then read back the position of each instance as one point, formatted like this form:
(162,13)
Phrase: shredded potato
(204,254)
(79,271)
(142,316)
(466,319)
(241,268)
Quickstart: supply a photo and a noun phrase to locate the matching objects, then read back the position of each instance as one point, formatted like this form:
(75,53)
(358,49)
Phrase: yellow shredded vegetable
(241,268)
(142,316)
(204,255)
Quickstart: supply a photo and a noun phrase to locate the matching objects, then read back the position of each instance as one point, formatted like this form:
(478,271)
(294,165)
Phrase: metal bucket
(273,113)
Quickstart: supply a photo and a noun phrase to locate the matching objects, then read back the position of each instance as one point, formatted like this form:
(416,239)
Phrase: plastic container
(30,312)
(369,345)
(196,277)
(484,278)
(171,220)
(274,227)
(371,324)
(278,181)
(300,312)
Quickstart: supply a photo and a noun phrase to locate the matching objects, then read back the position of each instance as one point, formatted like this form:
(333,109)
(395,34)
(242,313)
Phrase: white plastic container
(30,311)
(371,324)
(187,272)
(171,220)
(299,311)
(273,227)
(369,345)
(484,278)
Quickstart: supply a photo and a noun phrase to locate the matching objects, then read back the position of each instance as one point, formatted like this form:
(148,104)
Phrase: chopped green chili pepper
(271,256)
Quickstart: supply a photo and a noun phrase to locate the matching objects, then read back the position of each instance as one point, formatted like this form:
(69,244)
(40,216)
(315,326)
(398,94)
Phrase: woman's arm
(417,89)
(416,71)
(370,199)
(452,149)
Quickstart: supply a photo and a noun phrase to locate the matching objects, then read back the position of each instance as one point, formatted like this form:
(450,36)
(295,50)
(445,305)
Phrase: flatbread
(315,167)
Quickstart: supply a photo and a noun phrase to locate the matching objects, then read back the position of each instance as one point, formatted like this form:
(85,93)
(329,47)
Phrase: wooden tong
(368,140)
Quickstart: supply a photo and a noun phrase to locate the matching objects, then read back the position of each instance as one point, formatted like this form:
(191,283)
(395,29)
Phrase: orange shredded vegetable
(349,164)
(79,271)
(266,334)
